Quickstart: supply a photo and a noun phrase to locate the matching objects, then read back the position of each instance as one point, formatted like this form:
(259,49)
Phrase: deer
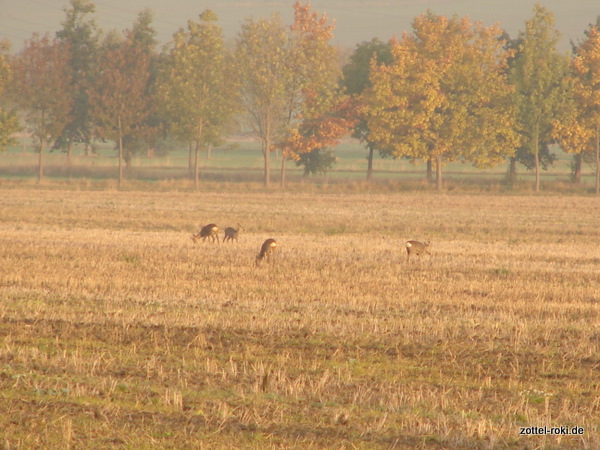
(209,231)
(417,248)
(266,250)
(231,234)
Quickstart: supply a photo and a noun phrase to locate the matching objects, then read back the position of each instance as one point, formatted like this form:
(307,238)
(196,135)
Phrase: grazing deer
(417,248)
(209,231)
(266,250)
(231,234)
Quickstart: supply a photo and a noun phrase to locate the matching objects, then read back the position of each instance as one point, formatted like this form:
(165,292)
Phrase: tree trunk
(120,155)
(512,170)
(536,158)
(282,179)
(208,150)
(577,163)
(429,171)
(267,180)
(196,166)
(370,163)
(69,152)
(598,158)
(266,143)
(128,160)
(438,172)
(41,162)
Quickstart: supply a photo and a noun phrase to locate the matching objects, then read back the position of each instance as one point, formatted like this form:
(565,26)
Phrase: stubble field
(116,330)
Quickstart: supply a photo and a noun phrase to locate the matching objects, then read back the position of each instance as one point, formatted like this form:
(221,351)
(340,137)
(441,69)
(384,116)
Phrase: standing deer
(266,250)
(417,248)
(231,234)
(209,231)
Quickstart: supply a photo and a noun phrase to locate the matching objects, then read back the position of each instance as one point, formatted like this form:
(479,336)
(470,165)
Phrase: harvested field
(116,330)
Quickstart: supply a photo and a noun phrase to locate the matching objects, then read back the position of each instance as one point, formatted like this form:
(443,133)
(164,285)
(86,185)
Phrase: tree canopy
(356,80)
(41,87)
(80,35)
(118,100)
(447,90)
(538,73)
(9,123)
(195,91)
(580,132)
(445,95)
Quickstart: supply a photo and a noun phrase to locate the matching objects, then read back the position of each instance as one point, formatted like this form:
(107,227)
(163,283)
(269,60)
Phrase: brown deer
(417,248)
(231,234)
(210,231)
(266,250)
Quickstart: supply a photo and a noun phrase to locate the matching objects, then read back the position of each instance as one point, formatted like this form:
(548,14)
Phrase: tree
(41,87)
(581,134)
(445,95)
(196,94)
(278,66)
(313,91)
(356,80)
(538,72)
(118,102)
(523,154)
(9,123)
(80,35)
(261,55)
(323,123)
(149,133)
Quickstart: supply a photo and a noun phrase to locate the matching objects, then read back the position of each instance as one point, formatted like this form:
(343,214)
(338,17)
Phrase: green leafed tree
(280,68)
(196,91)
(356,81)
(262,55)
(80,34)
(41,87)
(539,74)
(445,96)
(9,123)
(150,132)
(119,105)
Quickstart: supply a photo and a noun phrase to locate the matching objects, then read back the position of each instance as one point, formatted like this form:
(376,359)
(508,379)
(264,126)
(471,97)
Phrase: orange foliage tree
(316,107)
(320,127)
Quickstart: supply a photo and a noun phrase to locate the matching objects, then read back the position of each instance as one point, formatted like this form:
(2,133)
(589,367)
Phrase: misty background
(355,20)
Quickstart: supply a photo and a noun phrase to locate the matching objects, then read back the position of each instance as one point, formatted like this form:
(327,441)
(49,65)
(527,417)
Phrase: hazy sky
(355,20)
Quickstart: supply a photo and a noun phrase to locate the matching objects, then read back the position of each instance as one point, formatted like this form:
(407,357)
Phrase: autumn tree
(80,35)
(445,95)
(41,87)
(581,132)
(196,93)
(538,72)
(118,102)
(356,81)
(323,122)
(313,89)
(9,123)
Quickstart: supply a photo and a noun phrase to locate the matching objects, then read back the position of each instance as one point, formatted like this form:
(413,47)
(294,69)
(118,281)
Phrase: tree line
(447,90)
